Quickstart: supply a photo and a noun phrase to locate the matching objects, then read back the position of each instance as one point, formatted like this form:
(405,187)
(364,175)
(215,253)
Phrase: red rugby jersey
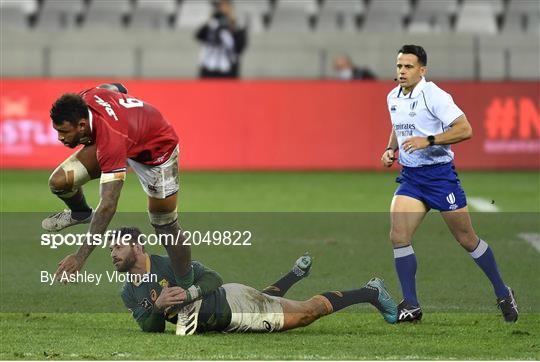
(125,127)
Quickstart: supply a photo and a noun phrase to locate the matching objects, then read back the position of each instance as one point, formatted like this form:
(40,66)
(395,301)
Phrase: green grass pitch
(340,217)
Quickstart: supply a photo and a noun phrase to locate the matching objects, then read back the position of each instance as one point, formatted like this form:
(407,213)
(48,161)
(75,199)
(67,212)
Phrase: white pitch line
(483,205)
(531,238)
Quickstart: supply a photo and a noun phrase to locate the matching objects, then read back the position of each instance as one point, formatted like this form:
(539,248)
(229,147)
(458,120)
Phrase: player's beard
(71,144)
(74,143)
(85,140)
(79,140)
(126,264)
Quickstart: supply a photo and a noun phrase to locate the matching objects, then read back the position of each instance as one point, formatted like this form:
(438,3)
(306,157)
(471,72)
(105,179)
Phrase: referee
(425,122)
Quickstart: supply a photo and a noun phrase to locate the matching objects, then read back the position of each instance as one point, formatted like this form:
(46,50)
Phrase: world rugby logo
(413,106)
(451,198)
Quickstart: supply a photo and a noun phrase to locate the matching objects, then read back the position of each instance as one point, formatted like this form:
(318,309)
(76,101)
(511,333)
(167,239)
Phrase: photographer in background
(223,43)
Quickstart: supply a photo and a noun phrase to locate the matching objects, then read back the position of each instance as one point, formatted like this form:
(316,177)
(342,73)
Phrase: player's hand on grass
(414,143)
(388,158)
(170,296)
(70,265)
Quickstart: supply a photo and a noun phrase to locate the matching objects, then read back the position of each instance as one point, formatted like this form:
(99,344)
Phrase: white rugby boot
(62,220)
(188,317)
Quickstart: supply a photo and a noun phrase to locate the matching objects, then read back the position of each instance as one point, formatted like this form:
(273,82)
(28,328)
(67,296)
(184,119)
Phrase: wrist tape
(192,293)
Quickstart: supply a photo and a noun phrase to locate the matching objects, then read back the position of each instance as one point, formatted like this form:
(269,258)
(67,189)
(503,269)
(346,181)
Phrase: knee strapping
(163,219)
(75,175)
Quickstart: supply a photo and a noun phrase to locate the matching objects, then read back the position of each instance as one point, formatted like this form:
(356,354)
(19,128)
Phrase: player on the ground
(209,305)
(425,122)
(116,130)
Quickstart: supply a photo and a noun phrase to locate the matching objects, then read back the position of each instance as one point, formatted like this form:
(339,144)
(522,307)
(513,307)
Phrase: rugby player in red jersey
(116,130)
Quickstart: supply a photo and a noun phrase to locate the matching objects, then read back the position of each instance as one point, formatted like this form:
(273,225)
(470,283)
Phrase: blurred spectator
(346,69)
(223,42)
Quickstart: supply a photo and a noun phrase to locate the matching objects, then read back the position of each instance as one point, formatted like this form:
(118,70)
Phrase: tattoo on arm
(110,193)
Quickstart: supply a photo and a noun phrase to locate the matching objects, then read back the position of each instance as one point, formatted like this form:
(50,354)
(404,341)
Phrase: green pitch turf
(291,191)
(339,217)
(341,336)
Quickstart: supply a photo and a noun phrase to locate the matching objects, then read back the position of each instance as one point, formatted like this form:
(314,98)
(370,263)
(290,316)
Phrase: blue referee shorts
(437,186)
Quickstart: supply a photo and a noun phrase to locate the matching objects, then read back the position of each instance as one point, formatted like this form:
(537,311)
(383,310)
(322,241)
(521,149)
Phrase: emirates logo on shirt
(404,129)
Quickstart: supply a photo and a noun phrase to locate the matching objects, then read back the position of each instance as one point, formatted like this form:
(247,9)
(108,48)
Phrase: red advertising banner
(281,125)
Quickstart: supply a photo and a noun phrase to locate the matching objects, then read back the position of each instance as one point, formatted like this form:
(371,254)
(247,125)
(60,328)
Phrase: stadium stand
(192,14)
(59,14)
(253,13)
(477,17)
(509,56)
(339,15)
(522,16)
(28,7)
(14,14)
(108,61)
(278,55)
(13,18)
(432,16)
(465,39)
(106,14)
(152,14)
(293,15)
(496,5)
(386,15)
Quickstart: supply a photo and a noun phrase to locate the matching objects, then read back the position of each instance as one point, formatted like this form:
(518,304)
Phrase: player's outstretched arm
(109,196)
(110,193)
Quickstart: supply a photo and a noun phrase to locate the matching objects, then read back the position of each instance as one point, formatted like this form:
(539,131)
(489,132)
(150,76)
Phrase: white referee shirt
(426,110)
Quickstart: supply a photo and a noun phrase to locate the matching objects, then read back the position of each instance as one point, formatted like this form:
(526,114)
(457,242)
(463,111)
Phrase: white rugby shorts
(159,181)
(252,310)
